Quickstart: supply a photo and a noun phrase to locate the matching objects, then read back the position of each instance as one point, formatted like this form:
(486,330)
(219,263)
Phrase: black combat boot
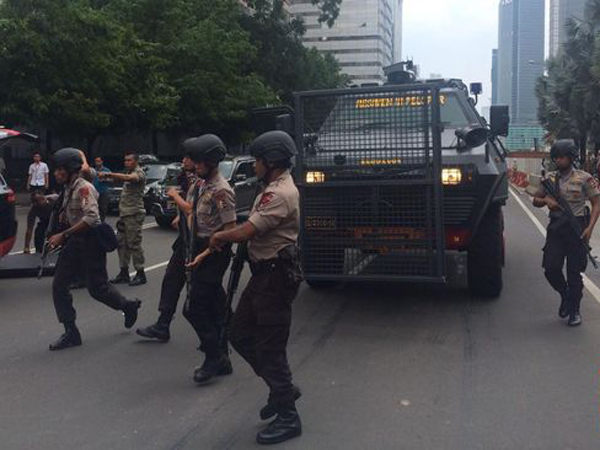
(70,338)
(270,409)
(575,319)
(563,311)
(122,278)
(212,367)
(286,426)
(158,331)
(139,279)
(130,311)
(226,367)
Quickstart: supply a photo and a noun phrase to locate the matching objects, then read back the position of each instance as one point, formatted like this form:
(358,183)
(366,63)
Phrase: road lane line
(589,284)
(149,225)
(151,268)
(15,253)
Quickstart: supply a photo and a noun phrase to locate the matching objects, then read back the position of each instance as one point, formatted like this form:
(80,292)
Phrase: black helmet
(564,147)
(207,147)
(69,158)
(273,146)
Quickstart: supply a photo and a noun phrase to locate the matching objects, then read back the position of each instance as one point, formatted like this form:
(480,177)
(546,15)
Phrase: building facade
(560,11)
(520,57)
(495,76)
(366,37)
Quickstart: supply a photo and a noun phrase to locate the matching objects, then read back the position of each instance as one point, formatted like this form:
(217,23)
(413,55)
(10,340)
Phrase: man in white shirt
(38,174)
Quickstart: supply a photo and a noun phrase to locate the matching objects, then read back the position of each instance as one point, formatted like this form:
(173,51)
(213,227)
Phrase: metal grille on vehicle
(371,190)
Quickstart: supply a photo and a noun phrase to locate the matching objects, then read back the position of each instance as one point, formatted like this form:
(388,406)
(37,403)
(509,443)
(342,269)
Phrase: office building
(560,11)
(520,57)
(366,37)
(495,76)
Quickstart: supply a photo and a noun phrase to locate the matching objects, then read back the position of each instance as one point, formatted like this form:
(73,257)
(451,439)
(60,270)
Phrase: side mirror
(285,122)
(240,177)
(500,120)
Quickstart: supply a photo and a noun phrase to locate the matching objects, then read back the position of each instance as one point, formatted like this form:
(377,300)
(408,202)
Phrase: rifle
(52,228)
(572,220)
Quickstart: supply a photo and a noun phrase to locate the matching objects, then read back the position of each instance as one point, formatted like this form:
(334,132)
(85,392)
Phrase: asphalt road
(381,367)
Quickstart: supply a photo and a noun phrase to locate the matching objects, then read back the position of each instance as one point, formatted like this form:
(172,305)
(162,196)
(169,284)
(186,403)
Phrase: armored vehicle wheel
(163,221)
(319,285)
(486,255)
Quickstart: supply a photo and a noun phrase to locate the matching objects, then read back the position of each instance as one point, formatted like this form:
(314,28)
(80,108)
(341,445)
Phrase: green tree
(570,91)
(67,66)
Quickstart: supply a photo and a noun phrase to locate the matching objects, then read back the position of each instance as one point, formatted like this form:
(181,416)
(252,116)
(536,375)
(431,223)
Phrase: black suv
(238,170)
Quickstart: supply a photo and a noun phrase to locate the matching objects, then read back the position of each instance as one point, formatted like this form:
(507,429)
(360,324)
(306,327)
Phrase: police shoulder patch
(84,192)
(266,198)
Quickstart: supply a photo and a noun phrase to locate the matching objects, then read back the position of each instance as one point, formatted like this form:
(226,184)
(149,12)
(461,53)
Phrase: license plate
(389,233)
(320,223)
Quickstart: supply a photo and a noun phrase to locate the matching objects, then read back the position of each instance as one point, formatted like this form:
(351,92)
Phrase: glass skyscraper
(560,11)
(366,37)
(520,57)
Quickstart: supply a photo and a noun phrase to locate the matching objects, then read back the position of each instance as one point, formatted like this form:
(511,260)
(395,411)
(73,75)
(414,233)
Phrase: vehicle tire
(163,221)
(320,285)
(486,255)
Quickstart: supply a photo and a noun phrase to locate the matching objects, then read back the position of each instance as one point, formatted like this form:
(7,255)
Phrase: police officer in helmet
(78,213)
(562,243)
(211,206)
(261,323)
(175,276)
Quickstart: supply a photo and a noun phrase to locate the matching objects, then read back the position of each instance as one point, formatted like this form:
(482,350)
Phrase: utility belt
(558,222)
(287,260)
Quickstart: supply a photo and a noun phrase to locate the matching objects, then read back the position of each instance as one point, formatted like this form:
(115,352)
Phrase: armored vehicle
(403,182)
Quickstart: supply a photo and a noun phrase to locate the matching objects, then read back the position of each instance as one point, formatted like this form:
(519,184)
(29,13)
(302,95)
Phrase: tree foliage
(569,94)
(88,67)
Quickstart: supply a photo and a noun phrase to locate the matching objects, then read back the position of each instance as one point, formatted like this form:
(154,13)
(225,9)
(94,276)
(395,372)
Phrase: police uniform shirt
(80,203)
(132,197)
(576,187)
(215,207)
(276,217)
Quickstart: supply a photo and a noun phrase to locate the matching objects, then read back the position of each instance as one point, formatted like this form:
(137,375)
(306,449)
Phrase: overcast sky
(453,38)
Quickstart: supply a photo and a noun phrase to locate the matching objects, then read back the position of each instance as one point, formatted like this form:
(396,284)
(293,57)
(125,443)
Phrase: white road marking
(151,268)
(15,253)
(589,284)
(149,225)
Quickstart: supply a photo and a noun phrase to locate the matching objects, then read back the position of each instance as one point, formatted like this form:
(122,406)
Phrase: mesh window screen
(373,206)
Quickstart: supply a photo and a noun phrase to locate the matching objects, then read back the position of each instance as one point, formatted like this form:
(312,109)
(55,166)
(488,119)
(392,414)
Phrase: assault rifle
(52,229)
(568,214)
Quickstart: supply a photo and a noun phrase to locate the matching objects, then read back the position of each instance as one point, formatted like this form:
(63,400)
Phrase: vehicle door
(244,182)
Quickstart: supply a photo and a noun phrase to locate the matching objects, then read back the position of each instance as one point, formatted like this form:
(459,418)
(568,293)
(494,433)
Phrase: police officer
(174,279)
(212,202)
(575,186)
(131,218)
(261,323)
(78,215)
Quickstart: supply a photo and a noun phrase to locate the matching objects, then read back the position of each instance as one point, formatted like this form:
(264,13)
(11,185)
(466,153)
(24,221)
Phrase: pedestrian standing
(212,202)
(81,250)
(39,174)
(41,210)
(175,277)
(261,323)
(562,242)
(131,219)
(101,186)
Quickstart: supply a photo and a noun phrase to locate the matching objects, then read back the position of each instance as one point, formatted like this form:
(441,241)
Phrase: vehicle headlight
(315,177)
(451,177)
